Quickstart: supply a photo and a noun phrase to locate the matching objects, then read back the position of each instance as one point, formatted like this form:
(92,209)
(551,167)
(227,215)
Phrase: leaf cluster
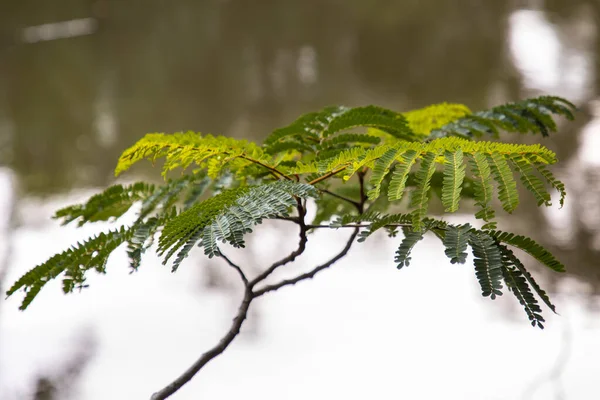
(357,164)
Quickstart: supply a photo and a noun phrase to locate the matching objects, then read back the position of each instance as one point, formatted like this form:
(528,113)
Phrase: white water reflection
(360,330)
(551,61)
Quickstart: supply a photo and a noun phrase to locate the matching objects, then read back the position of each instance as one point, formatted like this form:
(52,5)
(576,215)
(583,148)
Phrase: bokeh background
(80,80)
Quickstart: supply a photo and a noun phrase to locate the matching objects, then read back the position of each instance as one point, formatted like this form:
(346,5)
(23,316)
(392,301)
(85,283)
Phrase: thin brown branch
(363,196)
(327,175)
(356,226)
(291,219)
(210,354)
(310,274)
(354,203)
(274,171)
(236,267)
(292,256)
(249,295)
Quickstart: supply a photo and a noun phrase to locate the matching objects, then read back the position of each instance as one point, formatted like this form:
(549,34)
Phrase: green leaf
(454,175)
(512,260)
(482,185)
(74,263)
(530,247)
(400,175)
(556,184)
(488,263)
(381,169)
(228,216)
(531,115)
(517,284)
(420,198)
(507,187)
(530,181)
(455,241)
(411,238)
(111,203)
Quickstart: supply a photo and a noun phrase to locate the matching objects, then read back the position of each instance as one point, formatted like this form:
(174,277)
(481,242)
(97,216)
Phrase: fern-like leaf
(420,198)
(349,139)
(111,203)
(488,263)
(317,127)
(423,121)
(228,216)
(530,247)
(482,186)
(538,290)
(517,284)
(400,174)
(530,180)
(455,241)
(380,170)
(180,150)
(512,261)
(411,238)
(74,263)
(555,183)
(507,187)
(531,115)
(454,175)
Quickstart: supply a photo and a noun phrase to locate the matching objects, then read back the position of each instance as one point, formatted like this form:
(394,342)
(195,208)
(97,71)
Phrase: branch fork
(250,293)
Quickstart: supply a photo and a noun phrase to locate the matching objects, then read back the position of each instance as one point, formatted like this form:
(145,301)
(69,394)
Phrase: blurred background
(81,80)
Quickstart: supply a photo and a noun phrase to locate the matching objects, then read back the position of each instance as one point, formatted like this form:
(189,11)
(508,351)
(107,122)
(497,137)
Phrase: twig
(291,219)
(249,295)
(310,274)
(274,171)
(354,203)
(355,226)
(210,354)
(236,267)
(327,175)
(363,197)
(293,255)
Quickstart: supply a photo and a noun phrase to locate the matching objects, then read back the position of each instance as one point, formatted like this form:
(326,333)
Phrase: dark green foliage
(314,128)
(531,115)
(507,187)
(529,246)
(454,175)
(420,198)
(482,185)
(400,175)
(517,284)
(556,184)
(411,238)
(329,206)
(112,203)
(227,216)
(455,241)
(488,263)
(530,180)
(74,262)
(357,164)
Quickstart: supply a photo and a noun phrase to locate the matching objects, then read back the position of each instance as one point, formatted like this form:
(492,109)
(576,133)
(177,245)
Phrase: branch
(327,175)
(291,219)
(293,255)
(310,274)
(274,171)
(210,354)
(363,196)
(354,203)
(236,267)
(356,226)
